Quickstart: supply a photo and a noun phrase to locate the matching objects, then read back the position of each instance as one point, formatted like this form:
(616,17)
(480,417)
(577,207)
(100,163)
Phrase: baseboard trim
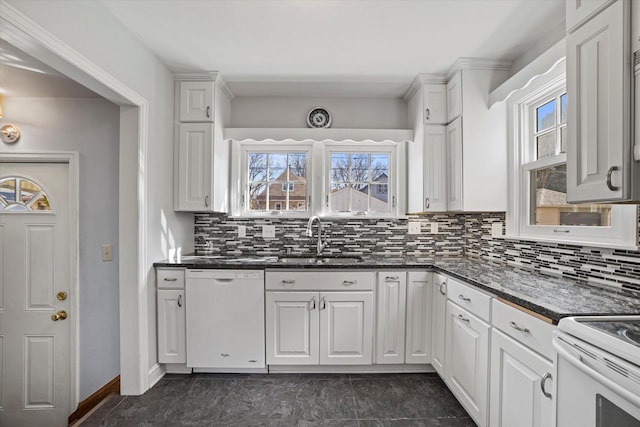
(92,401)
(155,374)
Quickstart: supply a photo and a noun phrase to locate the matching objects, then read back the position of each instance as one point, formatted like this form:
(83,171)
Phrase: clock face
(319,118)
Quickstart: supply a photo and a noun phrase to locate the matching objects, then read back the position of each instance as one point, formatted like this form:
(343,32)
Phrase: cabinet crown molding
(200,76)
(423,79)
(478,64)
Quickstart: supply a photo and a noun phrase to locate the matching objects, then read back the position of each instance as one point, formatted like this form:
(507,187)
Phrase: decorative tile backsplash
(458,234)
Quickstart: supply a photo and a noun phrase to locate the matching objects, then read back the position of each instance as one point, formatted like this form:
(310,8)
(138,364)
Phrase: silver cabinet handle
(545,377)
(561,230)
(288,282)
(463,298)
(427,114)
(224,354)
(170,279)
(206,201)
(208,111)
(443,288)
(427,203)
(323,304)
(180,300)
(349,282)
(609,173)
(515,326)
(389,278)
(464,319)
(313,303)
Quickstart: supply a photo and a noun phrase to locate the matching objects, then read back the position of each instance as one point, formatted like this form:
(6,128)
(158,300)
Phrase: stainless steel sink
(321,260)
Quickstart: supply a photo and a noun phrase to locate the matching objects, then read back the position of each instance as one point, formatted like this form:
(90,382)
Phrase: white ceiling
(24,76)
(363,45)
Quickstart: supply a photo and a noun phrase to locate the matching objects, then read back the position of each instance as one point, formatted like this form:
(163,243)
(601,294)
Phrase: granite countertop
(552,297)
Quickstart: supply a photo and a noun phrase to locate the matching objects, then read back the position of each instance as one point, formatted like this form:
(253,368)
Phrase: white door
(171,326)
(518,389)
(346,328)
(439,318)
(292,328)
(392,298)
(35,257)
(418,334)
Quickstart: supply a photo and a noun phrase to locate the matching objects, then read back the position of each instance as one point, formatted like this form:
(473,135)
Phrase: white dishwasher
(225,319)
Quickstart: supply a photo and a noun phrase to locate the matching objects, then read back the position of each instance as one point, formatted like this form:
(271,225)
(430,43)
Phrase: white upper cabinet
(580,11)
(600,163)
(196,101)
(454,97)
(434,104)
(435,171)
(476,139)
(201,155)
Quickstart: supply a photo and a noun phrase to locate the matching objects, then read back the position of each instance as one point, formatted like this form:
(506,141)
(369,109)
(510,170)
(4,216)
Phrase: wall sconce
(9,134)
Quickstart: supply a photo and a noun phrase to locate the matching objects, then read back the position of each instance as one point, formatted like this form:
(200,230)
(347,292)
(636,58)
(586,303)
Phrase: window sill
(570,242)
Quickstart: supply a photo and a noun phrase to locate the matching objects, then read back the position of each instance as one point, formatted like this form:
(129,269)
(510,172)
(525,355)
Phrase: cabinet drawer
(170,278)
(320,281)
(470,299)
(523,327)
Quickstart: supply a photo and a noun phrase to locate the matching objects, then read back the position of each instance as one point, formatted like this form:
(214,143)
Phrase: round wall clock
(319,117)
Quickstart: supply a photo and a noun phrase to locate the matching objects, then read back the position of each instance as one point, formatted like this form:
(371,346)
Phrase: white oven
(597,373)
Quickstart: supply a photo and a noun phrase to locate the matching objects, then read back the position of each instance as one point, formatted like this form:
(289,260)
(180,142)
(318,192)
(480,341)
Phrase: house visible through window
(277,181)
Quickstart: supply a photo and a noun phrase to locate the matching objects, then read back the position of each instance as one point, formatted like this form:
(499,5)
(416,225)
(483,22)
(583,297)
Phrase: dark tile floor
(287,400)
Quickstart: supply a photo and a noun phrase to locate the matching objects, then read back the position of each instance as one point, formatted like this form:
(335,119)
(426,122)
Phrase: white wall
(90,127)
(291,112)
(91,30)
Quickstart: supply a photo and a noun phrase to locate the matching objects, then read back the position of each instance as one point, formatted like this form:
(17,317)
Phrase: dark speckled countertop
(549,296)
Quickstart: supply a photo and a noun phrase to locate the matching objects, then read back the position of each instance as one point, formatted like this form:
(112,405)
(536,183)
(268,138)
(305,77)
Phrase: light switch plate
(434,228)
(242,231)
(107,253)
(413,227)
(496,229)
(268,231)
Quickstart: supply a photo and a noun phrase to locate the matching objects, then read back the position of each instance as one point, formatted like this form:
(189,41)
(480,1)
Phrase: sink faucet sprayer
(309,233)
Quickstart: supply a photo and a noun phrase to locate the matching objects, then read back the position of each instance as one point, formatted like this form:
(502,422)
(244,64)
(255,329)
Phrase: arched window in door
(18,194)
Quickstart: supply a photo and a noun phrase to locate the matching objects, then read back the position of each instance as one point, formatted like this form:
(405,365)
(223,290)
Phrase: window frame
(522,151)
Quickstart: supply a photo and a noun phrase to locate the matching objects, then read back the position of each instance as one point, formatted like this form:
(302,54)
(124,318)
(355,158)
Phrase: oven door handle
(576,360)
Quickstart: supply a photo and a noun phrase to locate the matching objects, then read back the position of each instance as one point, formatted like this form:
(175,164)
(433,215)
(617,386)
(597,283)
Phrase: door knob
(62,295)
(59,315)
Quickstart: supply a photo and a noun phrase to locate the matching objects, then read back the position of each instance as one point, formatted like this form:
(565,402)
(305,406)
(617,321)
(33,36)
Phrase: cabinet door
(435,170)
(196,101)
(418,334)
(292,328)
(346,328)
(517,385)
(454,97)
(392,297)
(438,321)
(598,107)
(435,104)
(580,11)
(194,167)
(172,328)
(467,369)
(454,165)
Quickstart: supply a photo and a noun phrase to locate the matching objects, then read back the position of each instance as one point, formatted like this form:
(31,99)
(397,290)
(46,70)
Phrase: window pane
(549,202)
(277,167)
(359,198)
(297,166)
(546,145)
(339,167)
(21,195)
(340,197)
(8,190)
(257,166)
(546,116)
(359,167)
(380,167)
(277,181)
(563,108)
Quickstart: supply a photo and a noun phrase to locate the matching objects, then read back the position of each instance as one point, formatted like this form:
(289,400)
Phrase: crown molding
(422,79)
(206,76)
(478,64)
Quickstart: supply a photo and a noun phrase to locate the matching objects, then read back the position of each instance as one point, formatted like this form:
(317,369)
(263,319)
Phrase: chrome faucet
(309,233)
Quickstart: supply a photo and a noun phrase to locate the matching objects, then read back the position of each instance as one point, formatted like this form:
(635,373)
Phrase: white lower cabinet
(418,329)
(328,328)
(438,320)
(392,300)
(519,394)
(171,326)
(467,367)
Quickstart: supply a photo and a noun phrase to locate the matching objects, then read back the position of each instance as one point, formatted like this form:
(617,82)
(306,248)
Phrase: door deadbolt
(62,295)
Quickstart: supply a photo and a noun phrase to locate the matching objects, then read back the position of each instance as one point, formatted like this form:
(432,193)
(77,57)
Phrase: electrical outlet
(268,231)
(107,253)
(242,231)
(496,229)
(434,228)
(413,227)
